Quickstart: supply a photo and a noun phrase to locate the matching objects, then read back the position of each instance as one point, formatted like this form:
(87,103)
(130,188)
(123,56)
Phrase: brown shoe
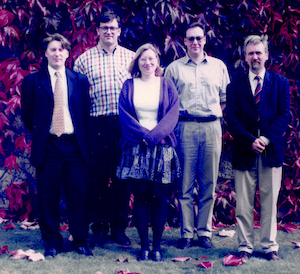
(273,255)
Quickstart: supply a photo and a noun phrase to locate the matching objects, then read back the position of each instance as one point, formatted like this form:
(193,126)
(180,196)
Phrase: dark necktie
(58,125)
(257,94)
(257,90)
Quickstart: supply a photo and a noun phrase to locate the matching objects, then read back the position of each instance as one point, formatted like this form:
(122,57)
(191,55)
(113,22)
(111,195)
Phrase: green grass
(103,261)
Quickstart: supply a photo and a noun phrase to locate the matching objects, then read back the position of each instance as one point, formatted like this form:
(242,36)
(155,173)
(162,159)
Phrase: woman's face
(148,63)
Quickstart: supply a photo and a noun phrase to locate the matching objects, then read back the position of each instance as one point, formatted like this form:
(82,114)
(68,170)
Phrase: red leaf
(290,227)
(64,227)
(13,103)
(297,244)
(6,18)
(21,143)
(181,259)
(9,226)
(11,162)
(233,260)
(206,265)
(3,121)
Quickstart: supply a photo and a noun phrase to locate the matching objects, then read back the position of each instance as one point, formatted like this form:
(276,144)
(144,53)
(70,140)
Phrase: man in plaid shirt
(106,65)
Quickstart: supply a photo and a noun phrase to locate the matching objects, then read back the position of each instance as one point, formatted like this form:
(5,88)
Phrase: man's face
(56,55)
(256,57)
(109,33)
(195,41)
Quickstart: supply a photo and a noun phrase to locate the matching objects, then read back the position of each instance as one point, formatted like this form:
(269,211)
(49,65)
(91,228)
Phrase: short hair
(57,37)
(107,16)
(195,25)
(134,65)
(256,39)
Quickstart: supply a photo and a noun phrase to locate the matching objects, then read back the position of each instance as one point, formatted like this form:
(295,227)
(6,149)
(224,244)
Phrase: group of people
(116,124)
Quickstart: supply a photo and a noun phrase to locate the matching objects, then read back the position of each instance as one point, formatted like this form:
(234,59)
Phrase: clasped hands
(258,146)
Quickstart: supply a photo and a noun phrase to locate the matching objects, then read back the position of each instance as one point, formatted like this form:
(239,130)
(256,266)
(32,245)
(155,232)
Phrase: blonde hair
(134,65)
(256,39)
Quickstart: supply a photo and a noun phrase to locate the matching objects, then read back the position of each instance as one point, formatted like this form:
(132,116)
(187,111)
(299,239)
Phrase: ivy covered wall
(24,23)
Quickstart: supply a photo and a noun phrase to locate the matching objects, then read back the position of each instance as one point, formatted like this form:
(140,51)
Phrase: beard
(256,66)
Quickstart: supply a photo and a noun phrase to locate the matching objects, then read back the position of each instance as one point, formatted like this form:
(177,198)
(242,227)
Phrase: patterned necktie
(257,93)
(58,125)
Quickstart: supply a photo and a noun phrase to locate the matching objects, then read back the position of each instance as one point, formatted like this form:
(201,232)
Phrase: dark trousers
(149,197)
(109,202)
(63,166)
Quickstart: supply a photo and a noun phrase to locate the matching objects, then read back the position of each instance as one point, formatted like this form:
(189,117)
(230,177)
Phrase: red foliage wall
(24,23)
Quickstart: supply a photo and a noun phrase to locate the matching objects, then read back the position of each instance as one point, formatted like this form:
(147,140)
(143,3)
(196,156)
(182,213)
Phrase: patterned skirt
(158,164)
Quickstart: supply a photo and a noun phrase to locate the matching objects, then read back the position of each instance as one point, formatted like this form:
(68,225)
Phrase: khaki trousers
(269,181)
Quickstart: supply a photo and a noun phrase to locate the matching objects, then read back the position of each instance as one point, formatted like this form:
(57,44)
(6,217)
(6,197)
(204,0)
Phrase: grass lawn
(104,257)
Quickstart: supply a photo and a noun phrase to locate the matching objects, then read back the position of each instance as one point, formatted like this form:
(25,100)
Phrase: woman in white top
(148,111)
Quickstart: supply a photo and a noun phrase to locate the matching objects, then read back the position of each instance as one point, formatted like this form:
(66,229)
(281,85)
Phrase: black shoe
(205,242)
(51,251)
(273,255)
(122,239)
(144,255)
(100,238)
(244,254)
(157,256)
(82,249)
(185,243)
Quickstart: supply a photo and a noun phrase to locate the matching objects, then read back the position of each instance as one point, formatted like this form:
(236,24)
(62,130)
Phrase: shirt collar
(52,71)
(103,50)
(187,59)
(261,75)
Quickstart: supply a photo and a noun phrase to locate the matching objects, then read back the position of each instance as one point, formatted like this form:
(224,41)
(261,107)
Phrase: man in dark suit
(55,108)
(257,116)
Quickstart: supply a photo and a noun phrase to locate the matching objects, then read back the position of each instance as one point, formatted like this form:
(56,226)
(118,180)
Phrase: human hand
(258,146)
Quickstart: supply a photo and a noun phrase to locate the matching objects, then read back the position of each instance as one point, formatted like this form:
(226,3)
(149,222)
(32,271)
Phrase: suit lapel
(46,81)
(246,89)
(71,81)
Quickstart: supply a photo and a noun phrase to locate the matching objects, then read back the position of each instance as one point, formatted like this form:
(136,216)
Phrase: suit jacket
(242,115)
(37,109)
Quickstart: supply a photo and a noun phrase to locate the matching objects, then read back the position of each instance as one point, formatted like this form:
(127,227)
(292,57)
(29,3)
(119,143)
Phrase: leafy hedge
(24,23)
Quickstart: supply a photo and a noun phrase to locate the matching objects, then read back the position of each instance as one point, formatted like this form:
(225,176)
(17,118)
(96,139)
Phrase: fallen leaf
(36,257)
(181,259)
(233,260)
(297,244)
(4,248)
(64,227)
(126,272)
(290,227)
(9,226)
(227,233)
(206,265)
(122,260)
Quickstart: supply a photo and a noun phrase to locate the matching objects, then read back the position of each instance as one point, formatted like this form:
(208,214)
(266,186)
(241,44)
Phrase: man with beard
(257,116)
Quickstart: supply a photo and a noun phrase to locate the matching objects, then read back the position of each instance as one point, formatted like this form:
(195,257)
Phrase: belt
(198,119)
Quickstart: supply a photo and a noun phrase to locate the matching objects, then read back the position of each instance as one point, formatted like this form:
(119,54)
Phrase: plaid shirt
(106,74)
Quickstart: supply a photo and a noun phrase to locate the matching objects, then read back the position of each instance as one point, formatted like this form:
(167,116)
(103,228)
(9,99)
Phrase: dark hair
(56,37)
(108,16)
(195,25)
(134,64)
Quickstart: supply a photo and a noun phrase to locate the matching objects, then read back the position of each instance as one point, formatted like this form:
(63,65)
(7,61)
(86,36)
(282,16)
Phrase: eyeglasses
(192,39)
(112,29)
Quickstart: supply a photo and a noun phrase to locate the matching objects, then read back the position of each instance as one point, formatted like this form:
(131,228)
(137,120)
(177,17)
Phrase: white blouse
(146,101)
